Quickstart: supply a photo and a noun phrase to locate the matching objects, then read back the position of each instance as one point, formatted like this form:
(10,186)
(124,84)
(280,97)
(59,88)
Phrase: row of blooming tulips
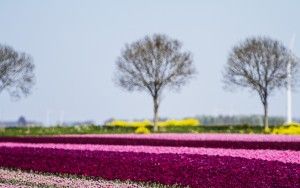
(195,167)
(176,140)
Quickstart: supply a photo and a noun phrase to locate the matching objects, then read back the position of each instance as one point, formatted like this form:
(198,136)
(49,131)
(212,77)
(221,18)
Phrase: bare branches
(16,72)
(260,64)
(153,64)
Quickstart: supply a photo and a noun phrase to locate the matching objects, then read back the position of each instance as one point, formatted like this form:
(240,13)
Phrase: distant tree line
(239,120)
(255,120)
(21,122)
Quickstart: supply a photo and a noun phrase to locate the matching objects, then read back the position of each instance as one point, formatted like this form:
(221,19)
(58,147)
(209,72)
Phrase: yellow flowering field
(171,122)
(292,128)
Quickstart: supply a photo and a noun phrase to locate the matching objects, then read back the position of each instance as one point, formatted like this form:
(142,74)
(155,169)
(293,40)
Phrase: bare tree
(260,64)
(16,72)
(153,64)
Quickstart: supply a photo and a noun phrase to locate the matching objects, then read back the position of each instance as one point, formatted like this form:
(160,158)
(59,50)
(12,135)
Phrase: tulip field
(187,160)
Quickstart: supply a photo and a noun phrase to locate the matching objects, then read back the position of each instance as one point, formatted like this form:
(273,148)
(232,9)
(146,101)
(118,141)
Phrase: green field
(93,129)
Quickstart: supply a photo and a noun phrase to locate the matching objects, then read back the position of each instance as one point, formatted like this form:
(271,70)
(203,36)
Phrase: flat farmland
(193,160)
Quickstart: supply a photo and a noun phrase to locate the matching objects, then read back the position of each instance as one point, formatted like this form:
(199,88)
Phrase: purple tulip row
(211,141)
(184,168)
(285,156)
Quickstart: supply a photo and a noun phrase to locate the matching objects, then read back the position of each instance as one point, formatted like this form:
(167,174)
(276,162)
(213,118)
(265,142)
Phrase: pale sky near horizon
(75,44)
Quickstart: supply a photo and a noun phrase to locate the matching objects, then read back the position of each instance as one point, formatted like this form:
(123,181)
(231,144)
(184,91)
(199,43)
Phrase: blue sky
(75,44)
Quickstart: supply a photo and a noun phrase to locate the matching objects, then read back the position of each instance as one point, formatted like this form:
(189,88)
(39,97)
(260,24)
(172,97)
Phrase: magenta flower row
(285,156)
(188,140)
(194,167)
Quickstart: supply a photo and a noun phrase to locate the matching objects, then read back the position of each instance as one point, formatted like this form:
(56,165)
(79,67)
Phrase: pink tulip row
(203,137)
(24,178)
(195,167)
(2,185)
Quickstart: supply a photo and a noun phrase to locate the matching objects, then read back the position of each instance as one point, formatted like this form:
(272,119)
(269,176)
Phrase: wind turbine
(289,85)
(48,117)
(61,117)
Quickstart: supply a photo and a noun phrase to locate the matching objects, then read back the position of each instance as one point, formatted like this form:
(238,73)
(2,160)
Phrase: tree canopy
(16,72)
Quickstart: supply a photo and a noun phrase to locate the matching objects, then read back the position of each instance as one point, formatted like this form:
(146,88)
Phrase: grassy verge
(93,129)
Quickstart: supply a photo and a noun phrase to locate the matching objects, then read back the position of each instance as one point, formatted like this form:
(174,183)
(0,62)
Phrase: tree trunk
(155,117)
(266,119)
